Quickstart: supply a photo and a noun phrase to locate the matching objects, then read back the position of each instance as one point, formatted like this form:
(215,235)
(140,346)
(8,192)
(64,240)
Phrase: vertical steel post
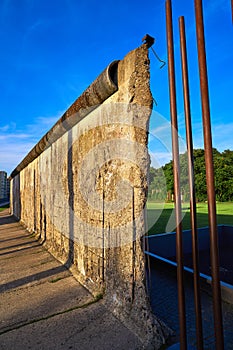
(176,171)
(196,278)
(217,306)
(232,10)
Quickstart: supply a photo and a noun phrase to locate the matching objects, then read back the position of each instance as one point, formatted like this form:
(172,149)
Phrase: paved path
(42,306)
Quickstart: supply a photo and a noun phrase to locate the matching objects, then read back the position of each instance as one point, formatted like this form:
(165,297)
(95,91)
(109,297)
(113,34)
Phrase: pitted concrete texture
(42,306)
(83,329)
(84,196)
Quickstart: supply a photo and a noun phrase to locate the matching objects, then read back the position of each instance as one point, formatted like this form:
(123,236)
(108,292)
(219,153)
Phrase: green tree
(162,181)
(200,175)
(157,184)
(223,165)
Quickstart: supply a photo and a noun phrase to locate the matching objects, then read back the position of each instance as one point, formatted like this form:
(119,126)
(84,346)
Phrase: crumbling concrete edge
(103,87)
(155,332)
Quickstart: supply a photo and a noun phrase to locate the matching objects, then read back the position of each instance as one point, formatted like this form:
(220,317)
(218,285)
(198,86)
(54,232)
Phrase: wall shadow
(20,248)
(5,220)
(31,278)
(70,178)
(16,197)
(34,200)
(43,223)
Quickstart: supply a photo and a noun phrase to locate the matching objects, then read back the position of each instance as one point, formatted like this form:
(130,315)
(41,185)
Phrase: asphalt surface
(163,293)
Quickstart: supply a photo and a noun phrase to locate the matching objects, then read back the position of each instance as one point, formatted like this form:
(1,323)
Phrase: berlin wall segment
(82,189)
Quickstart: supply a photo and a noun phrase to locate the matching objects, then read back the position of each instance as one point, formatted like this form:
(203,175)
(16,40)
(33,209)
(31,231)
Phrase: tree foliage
(161,182)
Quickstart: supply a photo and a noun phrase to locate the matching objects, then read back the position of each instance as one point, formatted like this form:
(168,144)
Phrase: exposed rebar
(158,58)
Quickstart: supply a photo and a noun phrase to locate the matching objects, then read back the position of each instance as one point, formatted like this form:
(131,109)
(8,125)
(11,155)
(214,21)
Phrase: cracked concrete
(84,193)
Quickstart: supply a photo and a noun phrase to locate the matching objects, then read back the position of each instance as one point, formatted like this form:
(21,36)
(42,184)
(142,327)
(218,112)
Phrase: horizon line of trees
(161,182)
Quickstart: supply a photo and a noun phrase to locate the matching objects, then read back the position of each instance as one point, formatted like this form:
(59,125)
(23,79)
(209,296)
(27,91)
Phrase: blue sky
(52,50)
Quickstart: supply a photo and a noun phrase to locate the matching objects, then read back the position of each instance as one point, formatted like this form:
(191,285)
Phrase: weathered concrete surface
(43,307)
(85,195)
(103,87)
(83,329)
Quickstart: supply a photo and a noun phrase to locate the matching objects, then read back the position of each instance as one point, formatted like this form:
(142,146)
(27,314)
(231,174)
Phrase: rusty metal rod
(189,138)
(217,306)
(176,172)
(232,10)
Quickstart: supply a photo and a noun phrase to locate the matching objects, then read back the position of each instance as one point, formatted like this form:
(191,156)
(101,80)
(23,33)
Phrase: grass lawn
(161,217)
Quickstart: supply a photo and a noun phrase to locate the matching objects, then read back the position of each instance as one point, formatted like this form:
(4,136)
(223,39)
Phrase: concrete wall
(84,192)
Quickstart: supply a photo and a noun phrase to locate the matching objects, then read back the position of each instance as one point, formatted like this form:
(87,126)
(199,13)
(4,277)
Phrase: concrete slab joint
(83,190)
